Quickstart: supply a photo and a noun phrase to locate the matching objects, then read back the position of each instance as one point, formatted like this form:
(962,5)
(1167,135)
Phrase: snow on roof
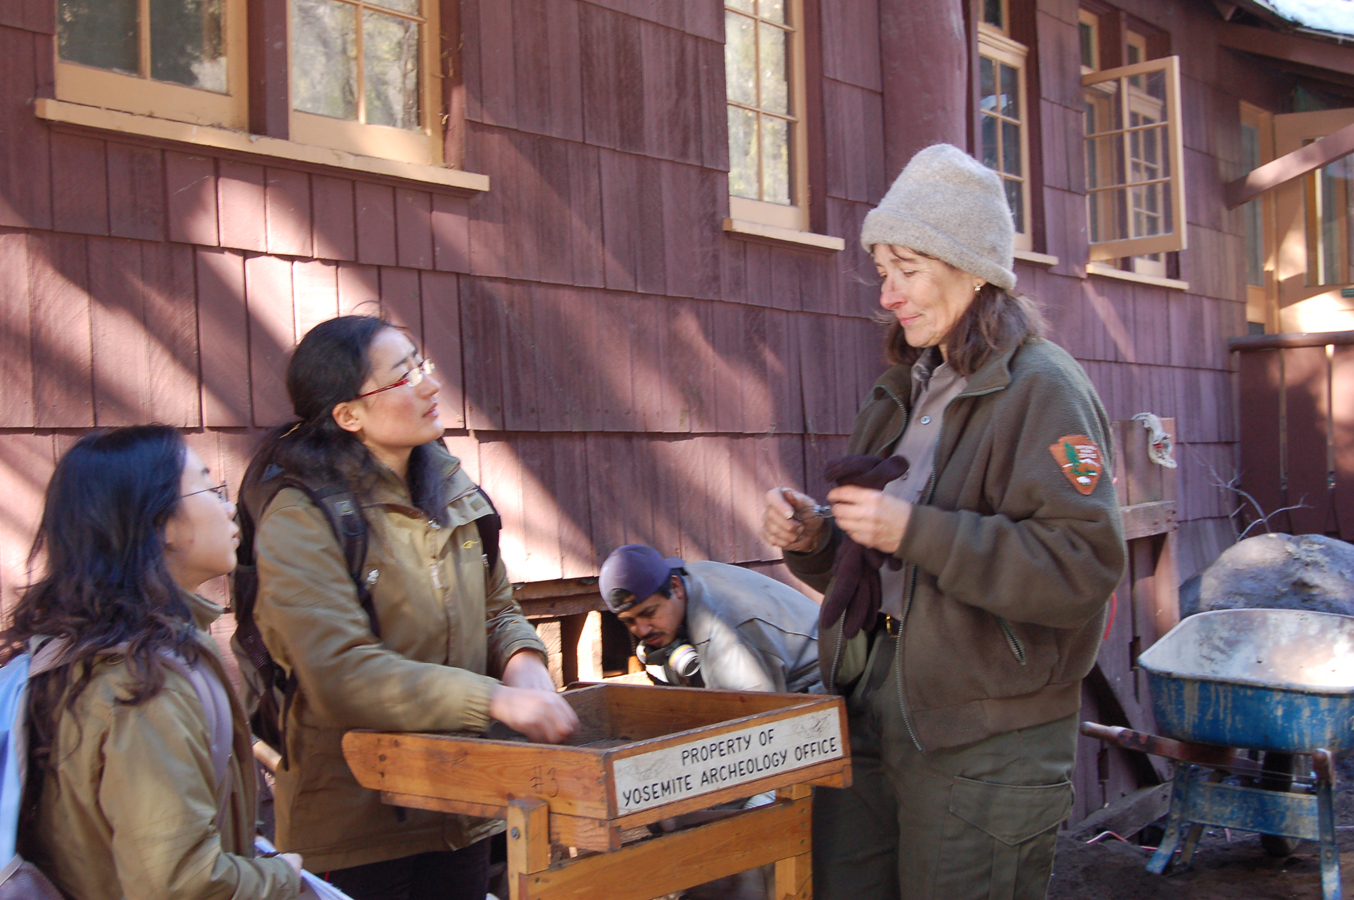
(1334,16)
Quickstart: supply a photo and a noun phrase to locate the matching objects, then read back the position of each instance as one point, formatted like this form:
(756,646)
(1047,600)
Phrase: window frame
(1262,299)
(792,217)
(1175,192)
(1092,20)
(143,95)
(994,44)
(422,146)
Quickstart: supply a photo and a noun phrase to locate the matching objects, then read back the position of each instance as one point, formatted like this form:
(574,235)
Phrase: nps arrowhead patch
(1079,458)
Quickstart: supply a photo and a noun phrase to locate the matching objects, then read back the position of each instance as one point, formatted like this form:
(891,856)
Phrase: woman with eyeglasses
(454,651)
(140,778)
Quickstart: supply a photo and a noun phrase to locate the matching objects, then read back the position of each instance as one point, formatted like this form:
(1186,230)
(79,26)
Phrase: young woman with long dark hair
(453,650)
(135,787)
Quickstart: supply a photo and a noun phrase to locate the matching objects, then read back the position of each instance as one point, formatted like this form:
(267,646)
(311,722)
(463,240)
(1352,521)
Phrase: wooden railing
(1296,416)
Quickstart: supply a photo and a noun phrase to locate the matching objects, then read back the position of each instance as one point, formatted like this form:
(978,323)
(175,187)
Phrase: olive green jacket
(131,810)
(446,626)
(1010,565)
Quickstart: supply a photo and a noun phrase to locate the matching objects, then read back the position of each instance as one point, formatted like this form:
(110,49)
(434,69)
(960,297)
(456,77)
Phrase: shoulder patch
(1080,460)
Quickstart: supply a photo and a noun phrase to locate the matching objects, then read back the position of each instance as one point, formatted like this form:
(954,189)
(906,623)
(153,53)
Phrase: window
(1004,137)
(362,79)
(173,59)
(1088,27)
(764,72)
(1257,143)
(1134,185)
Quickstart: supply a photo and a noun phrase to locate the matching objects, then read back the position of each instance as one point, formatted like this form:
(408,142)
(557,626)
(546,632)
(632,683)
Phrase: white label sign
(709,764)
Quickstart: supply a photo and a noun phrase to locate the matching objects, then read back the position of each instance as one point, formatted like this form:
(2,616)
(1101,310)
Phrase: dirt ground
(1226,866)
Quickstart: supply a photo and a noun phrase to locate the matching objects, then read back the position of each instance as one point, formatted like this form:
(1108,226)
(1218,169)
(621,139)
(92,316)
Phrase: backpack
(269,689)
(20,879)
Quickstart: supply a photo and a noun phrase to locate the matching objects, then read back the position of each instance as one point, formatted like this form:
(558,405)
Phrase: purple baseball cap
(637,568)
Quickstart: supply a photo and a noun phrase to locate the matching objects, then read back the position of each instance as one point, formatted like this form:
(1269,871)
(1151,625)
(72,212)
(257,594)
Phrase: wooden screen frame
(1262,302)
(795,215)
(1291,130)
(143,95)
(1176,239)
(995,45)
(422,146)
(1086,17)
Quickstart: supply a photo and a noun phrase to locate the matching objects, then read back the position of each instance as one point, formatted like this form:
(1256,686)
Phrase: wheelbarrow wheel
(1278,776)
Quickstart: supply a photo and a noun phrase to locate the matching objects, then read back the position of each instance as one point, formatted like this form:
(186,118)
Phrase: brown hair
(995,321)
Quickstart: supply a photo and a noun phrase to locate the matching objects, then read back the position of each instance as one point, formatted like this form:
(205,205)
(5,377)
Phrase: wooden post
(528,843)
(794,875)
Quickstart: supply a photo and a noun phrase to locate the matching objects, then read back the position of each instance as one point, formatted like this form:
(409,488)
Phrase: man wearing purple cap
(709,624)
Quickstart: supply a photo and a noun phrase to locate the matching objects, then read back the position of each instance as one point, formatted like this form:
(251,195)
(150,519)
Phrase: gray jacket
(751,632)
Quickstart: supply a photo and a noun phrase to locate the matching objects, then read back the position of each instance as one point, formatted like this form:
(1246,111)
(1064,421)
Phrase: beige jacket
(446,626)
(131,809)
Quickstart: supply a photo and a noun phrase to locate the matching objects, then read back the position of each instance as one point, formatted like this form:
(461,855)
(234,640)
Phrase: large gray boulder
(1276,571)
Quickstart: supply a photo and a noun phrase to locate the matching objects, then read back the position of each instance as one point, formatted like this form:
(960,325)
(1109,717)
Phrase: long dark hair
(995,321)
(105,582)
(329,366)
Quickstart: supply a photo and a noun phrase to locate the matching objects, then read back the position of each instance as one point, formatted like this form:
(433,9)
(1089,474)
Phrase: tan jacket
(131,810)
(446,625)
(1010,566)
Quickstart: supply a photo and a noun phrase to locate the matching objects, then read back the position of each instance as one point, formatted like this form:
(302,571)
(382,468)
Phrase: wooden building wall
(615,367)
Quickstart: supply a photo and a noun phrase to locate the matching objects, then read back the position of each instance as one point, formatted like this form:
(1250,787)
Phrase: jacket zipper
(841,633)
(911,589)
(1012,640)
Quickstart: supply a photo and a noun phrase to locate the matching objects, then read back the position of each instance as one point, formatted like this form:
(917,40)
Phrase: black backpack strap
(345,518)
(490,526)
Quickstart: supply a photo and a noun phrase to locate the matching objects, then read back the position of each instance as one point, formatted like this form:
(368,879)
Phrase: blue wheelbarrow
(1228,683)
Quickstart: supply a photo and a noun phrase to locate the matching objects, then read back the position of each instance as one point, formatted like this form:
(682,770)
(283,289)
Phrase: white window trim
(1176,239)
(995,45)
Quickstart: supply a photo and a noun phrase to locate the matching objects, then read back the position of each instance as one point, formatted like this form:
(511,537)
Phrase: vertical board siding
(79,184)
(286,204)
(272,334)
(16,349)
(224,335)
(332,218)
(136,192)
(193,191)
(60,332)
(119,341)
(240,205)
(25,177)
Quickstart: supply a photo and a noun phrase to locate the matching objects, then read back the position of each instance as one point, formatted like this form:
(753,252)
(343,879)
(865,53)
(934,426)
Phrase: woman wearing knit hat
(963,669)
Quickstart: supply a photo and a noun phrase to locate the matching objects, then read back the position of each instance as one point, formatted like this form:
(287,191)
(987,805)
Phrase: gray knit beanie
(948,205)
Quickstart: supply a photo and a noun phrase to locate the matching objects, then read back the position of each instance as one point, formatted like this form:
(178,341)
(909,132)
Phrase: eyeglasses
(221,491)
(414,376)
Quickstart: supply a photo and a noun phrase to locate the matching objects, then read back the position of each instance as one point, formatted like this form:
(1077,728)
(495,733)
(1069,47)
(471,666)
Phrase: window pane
(1015,198)
(775,160)
(186,45)
(992,13)
(1087,45)
(1010,92)
(404,6)
(742,153)
(740,58)
(747,6)
(390,53)
(100,33)
(324,58)
(1010,149)
(775,91)
(991,149)
(774,10)
(1252,211)
(987,81)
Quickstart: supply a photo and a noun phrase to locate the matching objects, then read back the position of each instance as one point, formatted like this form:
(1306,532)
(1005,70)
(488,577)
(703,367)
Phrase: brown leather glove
(856,593)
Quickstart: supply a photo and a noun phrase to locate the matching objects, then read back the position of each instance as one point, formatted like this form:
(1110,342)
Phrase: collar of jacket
(994,375)
(391,489)
(204,611)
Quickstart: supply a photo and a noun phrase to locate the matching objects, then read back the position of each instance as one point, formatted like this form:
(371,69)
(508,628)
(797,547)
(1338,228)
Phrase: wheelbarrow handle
(1202,754)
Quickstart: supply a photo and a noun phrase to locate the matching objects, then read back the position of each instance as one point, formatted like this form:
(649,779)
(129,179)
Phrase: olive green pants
(977,822)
